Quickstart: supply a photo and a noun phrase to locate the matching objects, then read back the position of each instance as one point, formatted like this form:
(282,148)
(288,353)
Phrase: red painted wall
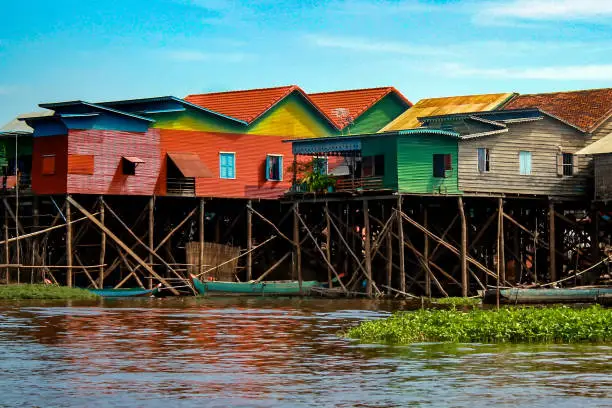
(55,183)
(251,151)
(108,147)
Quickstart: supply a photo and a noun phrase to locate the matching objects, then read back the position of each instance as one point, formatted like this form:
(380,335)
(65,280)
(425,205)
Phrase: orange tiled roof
(585,110)
(246,105)
(357,101)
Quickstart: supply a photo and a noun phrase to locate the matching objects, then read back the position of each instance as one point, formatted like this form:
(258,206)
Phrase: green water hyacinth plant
(507,325)
(44,292)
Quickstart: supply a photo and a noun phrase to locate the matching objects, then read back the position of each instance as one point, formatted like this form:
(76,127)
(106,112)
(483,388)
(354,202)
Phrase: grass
(507,325)
(28,291)
(459,301)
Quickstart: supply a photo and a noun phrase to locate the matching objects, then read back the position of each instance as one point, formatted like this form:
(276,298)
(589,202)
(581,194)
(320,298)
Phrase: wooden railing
(365,183)
(184,187)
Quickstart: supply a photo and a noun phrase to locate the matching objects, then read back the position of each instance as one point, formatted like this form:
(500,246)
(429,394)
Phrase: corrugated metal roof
(446,106)
(585,109)
(190,165)
(355,101)
(601,146)
(133,159)
(19,126)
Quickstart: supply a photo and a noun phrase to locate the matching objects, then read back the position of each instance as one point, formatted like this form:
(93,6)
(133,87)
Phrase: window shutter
(232,166)
(268,168)
(48,165)
(448,162)
(575,166)
(280,168)
(559,164)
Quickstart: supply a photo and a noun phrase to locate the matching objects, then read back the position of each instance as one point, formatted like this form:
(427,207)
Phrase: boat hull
(270,288)
(539,296)
(123,293)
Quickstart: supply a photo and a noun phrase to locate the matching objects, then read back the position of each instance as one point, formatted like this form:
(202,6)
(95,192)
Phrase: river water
(268,353)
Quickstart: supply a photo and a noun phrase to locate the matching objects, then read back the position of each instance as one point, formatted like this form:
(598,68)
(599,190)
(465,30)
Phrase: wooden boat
(264,288)
(128,292)
(553,295)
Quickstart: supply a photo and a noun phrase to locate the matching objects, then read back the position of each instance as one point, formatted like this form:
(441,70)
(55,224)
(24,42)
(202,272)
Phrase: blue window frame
(227,165)
(525,163)
(274,167)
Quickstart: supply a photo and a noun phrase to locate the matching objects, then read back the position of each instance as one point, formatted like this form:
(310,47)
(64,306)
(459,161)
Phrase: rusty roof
(446,106)
(585,109)
(355,101)
(190,165)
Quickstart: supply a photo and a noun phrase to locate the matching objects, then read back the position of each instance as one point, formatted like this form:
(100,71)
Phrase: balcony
(359,184)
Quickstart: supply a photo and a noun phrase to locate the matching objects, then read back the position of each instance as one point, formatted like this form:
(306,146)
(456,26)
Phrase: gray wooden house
(601,152)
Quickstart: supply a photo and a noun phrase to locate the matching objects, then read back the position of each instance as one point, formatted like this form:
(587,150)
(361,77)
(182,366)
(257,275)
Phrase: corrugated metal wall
(543,139)
(386,146)
(251,151)
(603,176)
(108,147)
(50,183)
(415,164)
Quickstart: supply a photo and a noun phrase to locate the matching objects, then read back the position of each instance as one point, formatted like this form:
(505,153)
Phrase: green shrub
(44,292)
(507,325)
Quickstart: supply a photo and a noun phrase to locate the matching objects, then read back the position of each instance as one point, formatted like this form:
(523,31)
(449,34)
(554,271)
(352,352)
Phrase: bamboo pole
(250,241)
(68,242)
(273,267)
(85,271)
(151,235)
(426,250)
(173,231)
(425,265)
(236,257)
(297,251)
(328,244)
(500,217)
(102,246)
(552,241)
(368,246)
(389,247)
(43,231)
(126,248)
(400,232)
(502,244)
(7,251)
(267,221)
(464,248)
(201,231)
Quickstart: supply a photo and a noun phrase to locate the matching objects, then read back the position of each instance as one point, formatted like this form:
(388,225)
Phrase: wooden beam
(368,246)
(151,235)
(85,271)
(426,249)
(552,242)
(267,221)
(102,246)
(178,226)
(250,240)
(123,246)
(400,232)
(464,249)
(68,242)
(273,267)
(328,244)
(7,253)
(296,243)
(201,231)
(389,247)
(502,243)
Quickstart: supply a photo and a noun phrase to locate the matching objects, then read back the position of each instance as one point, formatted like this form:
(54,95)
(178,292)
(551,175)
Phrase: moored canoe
(264,288)
(552,295)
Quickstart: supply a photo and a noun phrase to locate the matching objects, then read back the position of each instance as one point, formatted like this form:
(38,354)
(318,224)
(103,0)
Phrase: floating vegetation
(507,325)
(28,291)
(459,301)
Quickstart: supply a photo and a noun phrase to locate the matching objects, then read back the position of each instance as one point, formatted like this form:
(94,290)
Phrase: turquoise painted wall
(415,164)
(386,146)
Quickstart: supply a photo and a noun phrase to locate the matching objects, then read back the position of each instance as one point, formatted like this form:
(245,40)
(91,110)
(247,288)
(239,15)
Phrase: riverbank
(44,292)
(507,325)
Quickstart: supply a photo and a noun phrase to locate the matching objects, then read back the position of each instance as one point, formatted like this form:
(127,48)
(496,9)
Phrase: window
(483,160)
(319,165)
(442,164)
(227,165)
(566,162)
(525,163)
(81,164)
(373,166)
(129,168)
(274,167)
(48,164)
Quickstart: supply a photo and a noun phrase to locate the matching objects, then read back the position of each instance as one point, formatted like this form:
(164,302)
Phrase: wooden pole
(368,246)
(68,242)
(201,230)
(102,246)
(328,244)
(500,220)
(463,248)
(122,244)
(273,267)
(7,251)
(151,235)
(426,252)
(552,241)
(502,245)
(400,232)
(250,241)
(389,245)
(297,246)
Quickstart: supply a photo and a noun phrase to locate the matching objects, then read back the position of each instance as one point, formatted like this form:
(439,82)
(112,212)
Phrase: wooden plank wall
(543,139)
(603,176)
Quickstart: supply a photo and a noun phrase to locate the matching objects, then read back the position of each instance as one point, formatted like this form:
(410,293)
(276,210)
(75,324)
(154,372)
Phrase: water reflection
(258,352)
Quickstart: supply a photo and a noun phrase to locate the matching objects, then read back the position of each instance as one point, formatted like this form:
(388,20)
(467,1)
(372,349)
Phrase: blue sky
(112,49)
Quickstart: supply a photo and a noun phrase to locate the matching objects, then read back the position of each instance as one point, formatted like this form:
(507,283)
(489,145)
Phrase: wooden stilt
(500,220)
(297,267)
(463,248)
(7,251)
(552,245)
(328,244)
(389,246)
(502,244)
(201,230)
(368,246)
(400,232)
(102,246)
(426,252)
(151,235)
(68,242)
(250,241)
(273,267)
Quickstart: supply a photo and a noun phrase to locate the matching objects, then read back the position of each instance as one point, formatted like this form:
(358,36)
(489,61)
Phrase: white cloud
(553,73)
(545,9)
(384,7)
(195,56)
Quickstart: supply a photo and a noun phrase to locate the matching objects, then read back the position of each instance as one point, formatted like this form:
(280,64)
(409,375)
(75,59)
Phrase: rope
(604,260)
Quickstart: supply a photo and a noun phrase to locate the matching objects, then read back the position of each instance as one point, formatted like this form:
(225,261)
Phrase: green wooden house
(414,161)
